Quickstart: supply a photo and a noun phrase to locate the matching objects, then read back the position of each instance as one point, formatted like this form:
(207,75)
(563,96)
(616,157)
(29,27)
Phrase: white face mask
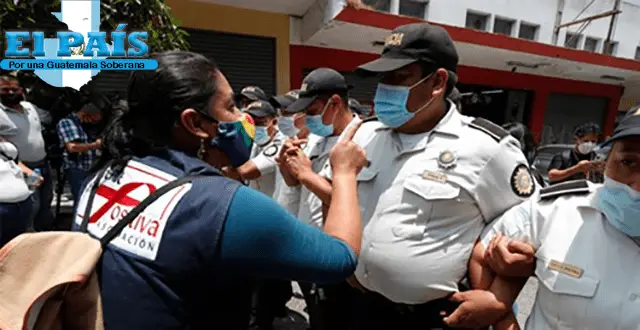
(262,135)
(287,126)
(586,147)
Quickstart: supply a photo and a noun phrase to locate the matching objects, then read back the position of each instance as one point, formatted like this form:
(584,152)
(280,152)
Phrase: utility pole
(612,25)
(556,30)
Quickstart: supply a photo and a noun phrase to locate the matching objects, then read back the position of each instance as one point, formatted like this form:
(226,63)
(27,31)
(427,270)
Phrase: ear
(192,122)
(440,82)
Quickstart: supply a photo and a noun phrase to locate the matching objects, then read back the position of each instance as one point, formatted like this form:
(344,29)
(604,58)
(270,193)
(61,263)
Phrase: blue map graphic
(55,77)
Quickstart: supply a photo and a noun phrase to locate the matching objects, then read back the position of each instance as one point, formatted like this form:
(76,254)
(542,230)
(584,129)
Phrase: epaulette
(369,119)
(496,132)
(577,187)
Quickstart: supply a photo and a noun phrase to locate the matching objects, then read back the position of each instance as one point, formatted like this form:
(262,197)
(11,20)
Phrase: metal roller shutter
(244,60)
(565,112)
(363,88)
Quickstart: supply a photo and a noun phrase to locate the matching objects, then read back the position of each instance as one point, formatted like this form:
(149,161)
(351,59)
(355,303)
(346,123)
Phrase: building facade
(513,66)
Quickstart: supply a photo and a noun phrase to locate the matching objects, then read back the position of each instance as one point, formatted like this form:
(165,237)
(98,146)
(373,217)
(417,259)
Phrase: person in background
(250,94)
(16,204)
(261,169)
(456,98)
(20,124)
(323,98)
(187,268)
(292,126)
(359,109)
(578,163)
(528,146)
(80,148)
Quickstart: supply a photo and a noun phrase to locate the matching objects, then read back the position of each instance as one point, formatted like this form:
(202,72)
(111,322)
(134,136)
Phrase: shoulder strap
(496,132)
(115,231)
(576,187)
(373,118)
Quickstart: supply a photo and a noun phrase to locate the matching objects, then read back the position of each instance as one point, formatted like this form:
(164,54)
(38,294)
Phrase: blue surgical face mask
(621,206)
(262,135)
(287,126)
(390,103)
(317,127)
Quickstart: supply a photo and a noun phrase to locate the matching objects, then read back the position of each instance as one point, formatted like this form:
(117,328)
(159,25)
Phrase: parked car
(545,154)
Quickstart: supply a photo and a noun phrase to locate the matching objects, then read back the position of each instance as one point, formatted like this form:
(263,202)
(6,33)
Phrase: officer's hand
(290,143)
(231,173)
(508,257)
(346,156)
(478,309)
(297,163)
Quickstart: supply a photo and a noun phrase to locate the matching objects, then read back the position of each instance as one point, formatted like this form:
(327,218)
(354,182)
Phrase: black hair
(521,133)
(456,97)
(155,101)
(588,128)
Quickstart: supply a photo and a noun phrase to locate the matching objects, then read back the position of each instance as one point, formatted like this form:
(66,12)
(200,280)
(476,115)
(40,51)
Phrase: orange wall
(207,16)
(306,57)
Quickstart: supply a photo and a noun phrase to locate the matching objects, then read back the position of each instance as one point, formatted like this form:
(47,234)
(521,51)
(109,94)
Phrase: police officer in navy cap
(361,110)
(435,180)
(183,262)
(250,94)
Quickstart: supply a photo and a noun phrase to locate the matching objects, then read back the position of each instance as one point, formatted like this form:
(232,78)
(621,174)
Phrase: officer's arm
(262,239)
(318,185)
(248,171)
(262,164)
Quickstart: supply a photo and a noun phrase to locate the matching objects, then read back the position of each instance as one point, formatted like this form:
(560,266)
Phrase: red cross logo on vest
(120,196)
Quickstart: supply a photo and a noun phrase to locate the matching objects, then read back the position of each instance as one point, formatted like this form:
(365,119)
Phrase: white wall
(543,13)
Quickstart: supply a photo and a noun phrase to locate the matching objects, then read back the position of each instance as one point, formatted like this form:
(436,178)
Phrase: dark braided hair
(156,98)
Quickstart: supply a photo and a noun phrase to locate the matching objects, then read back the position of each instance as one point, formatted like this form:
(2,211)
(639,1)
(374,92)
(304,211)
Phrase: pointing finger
(351,132)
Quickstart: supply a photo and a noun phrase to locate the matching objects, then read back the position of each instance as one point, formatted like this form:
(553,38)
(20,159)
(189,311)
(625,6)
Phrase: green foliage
(153,16)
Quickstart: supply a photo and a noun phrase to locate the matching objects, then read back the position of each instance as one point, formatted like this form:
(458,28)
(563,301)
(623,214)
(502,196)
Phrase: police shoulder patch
(522,182)
(577,187)
(496,132)
(271,150)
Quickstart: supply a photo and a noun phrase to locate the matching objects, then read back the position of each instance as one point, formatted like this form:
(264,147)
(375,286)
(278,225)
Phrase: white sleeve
(266,160)
(505,180)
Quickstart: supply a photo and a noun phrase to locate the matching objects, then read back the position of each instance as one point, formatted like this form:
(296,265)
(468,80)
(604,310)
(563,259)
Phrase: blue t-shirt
(217,236)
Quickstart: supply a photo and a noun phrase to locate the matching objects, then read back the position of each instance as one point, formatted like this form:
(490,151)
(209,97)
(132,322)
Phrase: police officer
(261,169)
(586,239)
(436,178)
(182,263)
(324,100)
(292,125)
(578,163)
(250,94)
(360,110)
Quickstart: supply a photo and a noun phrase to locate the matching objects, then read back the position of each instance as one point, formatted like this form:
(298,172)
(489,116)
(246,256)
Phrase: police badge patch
(522,182)
(271,151)
(447,159)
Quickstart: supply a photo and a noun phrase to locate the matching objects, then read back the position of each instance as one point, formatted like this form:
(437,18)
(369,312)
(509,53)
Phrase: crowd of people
(409,215)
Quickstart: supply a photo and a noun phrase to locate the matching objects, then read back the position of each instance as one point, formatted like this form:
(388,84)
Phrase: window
(528,31)
(503,26)
(637,53)
(591,44)
(381,5)
(477,21)
(414,8)
(572,40)
(613,48)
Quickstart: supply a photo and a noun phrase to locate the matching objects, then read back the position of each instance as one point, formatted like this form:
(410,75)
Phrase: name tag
(566,269)
(434,176)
